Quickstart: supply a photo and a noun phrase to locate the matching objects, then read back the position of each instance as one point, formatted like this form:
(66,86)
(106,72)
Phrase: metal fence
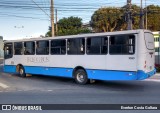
(157,59)
(157,46)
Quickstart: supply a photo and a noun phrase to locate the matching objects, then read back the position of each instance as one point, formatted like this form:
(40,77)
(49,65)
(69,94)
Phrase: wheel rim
(21,71)
(80,77)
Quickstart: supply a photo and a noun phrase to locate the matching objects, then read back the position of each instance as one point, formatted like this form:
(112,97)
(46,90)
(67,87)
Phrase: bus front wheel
(80,76)
(22,71)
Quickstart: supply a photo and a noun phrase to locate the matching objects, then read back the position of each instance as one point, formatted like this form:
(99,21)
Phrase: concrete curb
(157,74)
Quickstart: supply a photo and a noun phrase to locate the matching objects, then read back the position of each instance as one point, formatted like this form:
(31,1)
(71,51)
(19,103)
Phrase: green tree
(48,34)
(107,19)
(153,17)
(113,19)
(152,20)
(70,26)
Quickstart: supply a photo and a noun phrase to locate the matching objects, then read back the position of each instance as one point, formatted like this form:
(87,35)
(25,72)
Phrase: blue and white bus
(122,55)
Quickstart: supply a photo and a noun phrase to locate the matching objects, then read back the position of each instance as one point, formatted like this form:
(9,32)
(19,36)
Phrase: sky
(21,19)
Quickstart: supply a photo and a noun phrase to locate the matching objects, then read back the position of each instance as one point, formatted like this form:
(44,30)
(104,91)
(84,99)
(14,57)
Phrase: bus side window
(8,50)
(93,45)
(58,47)
(18,48)
(72,46)
(76,46)
(97,45)
(131,44)
(122,44)
(42,47)
(29,48)
(104,46)
(81,46)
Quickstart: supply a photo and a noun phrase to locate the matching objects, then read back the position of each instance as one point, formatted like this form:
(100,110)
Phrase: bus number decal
(131,58)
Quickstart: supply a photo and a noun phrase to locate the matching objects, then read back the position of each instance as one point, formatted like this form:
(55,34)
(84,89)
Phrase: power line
(40,8)
(22,13)
(62,8)
(22,16)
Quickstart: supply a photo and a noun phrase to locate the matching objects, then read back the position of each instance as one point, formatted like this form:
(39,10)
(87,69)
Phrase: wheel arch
(76,68)
(18,67)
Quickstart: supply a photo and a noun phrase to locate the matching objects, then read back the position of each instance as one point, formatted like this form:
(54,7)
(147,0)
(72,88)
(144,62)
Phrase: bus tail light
(145,64)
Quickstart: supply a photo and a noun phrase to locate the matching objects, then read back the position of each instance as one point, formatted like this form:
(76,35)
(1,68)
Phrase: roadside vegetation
(108,19)
(157,66)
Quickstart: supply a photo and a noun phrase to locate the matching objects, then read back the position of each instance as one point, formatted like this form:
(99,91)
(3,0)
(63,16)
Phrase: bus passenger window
(81,48)
(104,46)
(29,48)
(97,45)
(8,50)
(131,44)
(42,47)
(122,44)
(18,48)
(58,47)
(76,46)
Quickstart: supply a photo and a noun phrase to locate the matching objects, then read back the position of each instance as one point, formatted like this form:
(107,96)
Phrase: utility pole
(129,15)
(52,17)
(146,14)
(56,22)
(141,17)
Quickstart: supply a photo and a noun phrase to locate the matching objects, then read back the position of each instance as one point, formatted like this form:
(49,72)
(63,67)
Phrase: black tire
(81,77)
(22,72)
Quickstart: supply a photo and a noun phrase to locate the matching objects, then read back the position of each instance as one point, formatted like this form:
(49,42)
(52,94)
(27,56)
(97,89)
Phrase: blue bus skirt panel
(92,74)
(119,75)
(111,75)
(142,75)
(60,72)
(9,68)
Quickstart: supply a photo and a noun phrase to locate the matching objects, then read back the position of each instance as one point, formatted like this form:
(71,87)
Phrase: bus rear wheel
(22,71)
(80,76)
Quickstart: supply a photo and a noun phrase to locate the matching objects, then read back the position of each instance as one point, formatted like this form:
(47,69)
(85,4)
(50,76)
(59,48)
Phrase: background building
(1,47)
(157,46)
